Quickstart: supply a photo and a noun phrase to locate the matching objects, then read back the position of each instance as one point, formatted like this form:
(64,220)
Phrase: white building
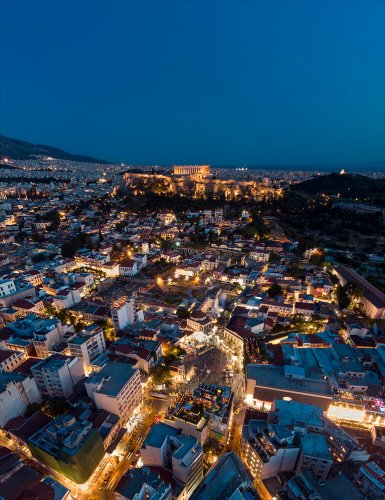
(123,313)
(46,337)
(167,447)
(268,450)
(58,375)
(17,391)
(66,298)
(116,388)
(88,345)
(128,267)
(9,359)
(7,287)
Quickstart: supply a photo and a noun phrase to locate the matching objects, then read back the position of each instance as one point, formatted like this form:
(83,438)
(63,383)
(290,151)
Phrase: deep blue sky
(224,82)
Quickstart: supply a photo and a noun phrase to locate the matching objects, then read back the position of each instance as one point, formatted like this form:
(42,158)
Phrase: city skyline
(257,83)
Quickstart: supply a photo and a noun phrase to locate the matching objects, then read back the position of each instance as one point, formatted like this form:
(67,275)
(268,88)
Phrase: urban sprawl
(170,353)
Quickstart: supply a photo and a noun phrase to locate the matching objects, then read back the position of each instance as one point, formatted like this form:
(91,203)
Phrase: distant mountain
(349,186)
(22,150)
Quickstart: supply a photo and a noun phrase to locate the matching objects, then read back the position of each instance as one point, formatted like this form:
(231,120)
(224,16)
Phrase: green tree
(55,407)
(274,258)
(275,290)
(182,312)
(342,297)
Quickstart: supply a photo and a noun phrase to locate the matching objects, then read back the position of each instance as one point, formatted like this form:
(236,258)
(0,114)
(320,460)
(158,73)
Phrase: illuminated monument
(197,171)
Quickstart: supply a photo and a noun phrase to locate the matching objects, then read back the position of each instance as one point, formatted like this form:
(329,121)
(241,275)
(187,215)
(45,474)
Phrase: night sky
(223,82)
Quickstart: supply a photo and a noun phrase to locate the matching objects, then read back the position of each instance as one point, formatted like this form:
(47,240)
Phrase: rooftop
(114,375)
(158,433)
(224,479)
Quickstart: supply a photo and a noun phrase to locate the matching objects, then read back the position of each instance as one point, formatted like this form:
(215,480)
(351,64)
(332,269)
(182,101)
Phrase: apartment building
(88,345)
(167,447)
(17,391)
(58,375)
(116,388)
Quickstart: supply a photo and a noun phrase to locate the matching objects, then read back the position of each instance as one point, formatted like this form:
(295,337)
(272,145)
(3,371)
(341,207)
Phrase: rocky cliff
(141,184)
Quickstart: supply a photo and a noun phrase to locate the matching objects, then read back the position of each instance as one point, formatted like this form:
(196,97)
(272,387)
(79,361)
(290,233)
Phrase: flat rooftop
(116,375)
(273,376)
(158,433)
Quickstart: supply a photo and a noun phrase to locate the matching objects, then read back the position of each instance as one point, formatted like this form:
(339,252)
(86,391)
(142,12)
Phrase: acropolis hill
(195,182)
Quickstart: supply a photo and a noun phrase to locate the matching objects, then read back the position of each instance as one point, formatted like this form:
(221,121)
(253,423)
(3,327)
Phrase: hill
(22,150)
(347,186)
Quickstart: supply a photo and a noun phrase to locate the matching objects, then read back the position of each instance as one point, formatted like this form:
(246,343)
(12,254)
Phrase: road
(131,444)
(95,488)
(210,366)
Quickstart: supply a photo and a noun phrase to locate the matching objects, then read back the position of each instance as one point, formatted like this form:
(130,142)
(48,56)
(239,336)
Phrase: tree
(55,407)
(31,409)
(342,297)
(317,258)
(182,312)
(275,290)
(161,375)
(273,258)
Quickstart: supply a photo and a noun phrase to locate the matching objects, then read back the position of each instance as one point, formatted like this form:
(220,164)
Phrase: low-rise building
(227,479)
(371,481)
(142,484)
(9,359)
(128,267)
(69,446)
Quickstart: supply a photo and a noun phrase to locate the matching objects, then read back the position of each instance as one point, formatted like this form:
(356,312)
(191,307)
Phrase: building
(128,267)
(371,481)
(13,290)
(216,402)
(44,332)
(69,446)
(166,217)
(58,375)
(305,486)
(116,388)
(266,383)
(167,447)
(22,428)
(88,345)
(199,322)
(198,171)
(16,478)
(9,359)
(181,374)
(7,287)
(142,484)
(372,299)
(123,313)
(146,353)
(17,391)
(342,446)
(300,417)
(315,455)
(227,479)
(267,450)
